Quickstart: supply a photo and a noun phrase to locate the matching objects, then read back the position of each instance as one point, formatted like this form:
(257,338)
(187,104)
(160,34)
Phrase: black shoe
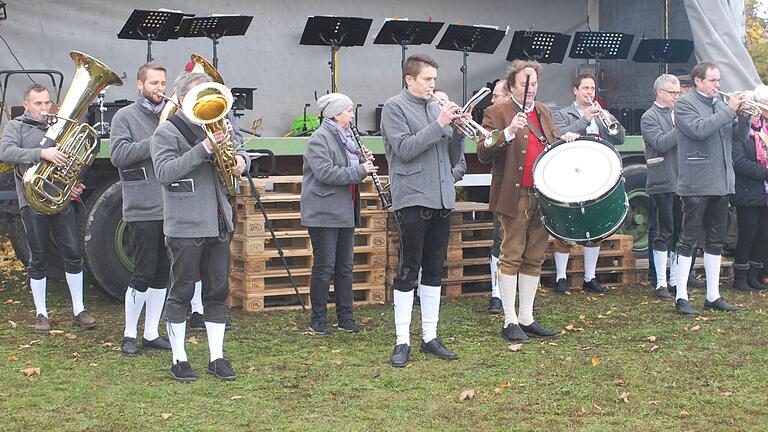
(128,347)
(696,283)
(683,307)
(495,306)
(537,330)
(514,333)
(720,304)
(349,326)
(319,328)
(196,322)
(156,343)
(536,306)
(222,370)
(672,290)
(561,287)
(663,293)
(438,349)
(595,287)
(400,355)
(740,281)
(182,371)
(228,323)
(753,277)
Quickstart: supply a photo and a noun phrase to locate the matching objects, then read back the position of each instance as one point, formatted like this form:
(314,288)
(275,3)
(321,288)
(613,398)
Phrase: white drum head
(575,172)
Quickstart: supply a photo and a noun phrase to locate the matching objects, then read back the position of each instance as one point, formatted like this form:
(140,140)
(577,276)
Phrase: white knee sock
(660,263)
(197,298)
(430,311)
(527,286)
(494,277)
(403,307)
(155,304)
(590,261)
(134,303)
(508,292)
(683,264)
(176,334)
(215,332)
(672,269)
(38,295)
(712,270)
(75,283)
(561,264)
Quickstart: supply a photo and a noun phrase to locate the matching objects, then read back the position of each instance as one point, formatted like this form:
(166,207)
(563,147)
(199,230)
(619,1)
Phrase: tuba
(47,187)
(207,104)
(202,65)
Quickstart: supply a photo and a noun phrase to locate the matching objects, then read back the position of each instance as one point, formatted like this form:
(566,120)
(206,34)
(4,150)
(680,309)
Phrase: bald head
(500,93)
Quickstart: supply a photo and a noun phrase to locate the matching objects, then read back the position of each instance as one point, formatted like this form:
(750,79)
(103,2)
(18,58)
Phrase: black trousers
(669,220)
(332,254)
(210,257)
(707,215)
(423,245)
(39,227)
(152,265)
(496,246)
(752,244)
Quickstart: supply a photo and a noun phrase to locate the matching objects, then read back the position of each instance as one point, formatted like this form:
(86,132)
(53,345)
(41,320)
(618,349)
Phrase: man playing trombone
(584,117)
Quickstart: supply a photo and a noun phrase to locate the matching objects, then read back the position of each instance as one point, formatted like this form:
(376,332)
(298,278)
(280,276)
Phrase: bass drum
(581,190)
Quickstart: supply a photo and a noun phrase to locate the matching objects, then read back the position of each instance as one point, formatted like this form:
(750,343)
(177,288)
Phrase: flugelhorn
(467,126)
(751,105)
(611,124)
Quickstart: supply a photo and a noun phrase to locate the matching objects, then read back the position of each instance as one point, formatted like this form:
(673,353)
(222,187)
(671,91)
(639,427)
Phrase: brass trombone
(467,126)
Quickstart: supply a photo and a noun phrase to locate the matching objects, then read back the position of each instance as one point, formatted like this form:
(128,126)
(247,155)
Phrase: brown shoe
(85,320)
(41,324)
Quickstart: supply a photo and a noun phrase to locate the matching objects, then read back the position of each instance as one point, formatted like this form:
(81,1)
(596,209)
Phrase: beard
(152,97)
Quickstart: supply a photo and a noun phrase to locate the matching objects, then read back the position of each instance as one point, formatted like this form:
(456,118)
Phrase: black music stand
(544,47)
(335,32)
(466,38)
(151,26)
(405,32)
(600,46)
(243,100)
(663,51)
(214,28)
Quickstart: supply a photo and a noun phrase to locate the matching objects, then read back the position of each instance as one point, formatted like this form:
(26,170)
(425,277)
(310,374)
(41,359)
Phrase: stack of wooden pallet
(258,280)
(615,265)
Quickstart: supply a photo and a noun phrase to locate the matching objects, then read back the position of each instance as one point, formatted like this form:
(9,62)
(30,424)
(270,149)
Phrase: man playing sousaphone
(584,117)
(526,126)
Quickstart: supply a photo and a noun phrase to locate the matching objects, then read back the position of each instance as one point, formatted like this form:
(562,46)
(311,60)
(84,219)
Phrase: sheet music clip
(470,38)
(406,32)
(214,28)
(335,32)
(544,47)
(663,51)
(151,26)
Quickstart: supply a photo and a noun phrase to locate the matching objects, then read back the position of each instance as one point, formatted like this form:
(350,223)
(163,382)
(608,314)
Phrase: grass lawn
(624,362)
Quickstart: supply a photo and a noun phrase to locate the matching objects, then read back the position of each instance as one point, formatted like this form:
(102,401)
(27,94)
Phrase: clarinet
(376,181)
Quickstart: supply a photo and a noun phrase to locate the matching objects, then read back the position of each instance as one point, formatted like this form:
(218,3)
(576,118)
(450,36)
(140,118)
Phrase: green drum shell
(589,223)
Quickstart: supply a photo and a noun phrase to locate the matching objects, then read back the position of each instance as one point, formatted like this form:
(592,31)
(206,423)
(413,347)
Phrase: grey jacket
(132,129)
(192,192)
(21,145)
(458,162)
(660,138)
(326,200)
(704,146)
(418,152)
(568,119)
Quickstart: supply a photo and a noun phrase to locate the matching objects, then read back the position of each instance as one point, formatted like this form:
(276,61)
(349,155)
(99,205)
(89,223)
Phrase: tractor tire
(636,224)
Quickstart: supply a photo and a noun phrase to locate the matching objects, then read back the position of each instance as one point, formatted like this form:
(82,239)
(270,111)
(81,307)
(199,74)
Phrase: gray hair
(665,79)
(187,80)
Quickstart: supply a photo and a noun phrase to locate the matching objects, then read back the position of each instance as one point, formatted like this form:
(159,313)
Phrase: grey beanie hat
(333,104)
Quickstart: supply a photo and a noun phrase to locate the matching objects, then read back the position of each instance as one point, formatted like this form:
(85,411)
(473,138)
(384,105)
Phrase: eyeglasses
(673,93)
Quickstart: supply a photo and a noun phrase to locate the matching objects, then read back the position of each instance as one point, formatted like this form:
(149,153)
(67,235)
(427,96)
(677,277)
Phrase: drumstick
(528,72)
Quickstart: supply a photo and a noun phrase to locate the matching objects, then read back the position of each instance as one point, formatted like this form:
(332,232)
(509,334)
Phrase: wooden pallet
(254,225)
(617,243)
(277,280)
(287,299)
(297,240)
(301,259)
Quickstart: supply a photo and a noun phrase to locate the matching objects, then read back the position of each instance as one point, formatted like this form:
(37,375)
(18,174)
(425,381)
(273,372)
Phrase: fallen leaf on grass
(193,340)
(702,318)
(235,398)
(165,416)
(28,372)
(365,321)
(9,301)
(13,358)
(624,396)
(12,324)
(55,332)
(654,402)
(149,384)
(108,344)
(582,317)
(726,394)
(70,336)
(94,364)
(650,302)
(505,384)
(720,332)
(654,348)
(466,394)
(683,414)
(25,346)
(409,365)
(335,351)
(695,328)
(497,391)
(581,411)
(618,381)
(651,338)
(569,327)
(596,361)
(515,347)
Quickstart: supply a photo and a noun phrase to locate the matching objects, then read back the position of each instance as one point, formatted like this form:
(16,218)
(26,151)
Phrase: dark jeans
(332,254)
(210,257)
(496,247)
(707,215)
(38,228)
(752,244)
(150,255)
(668,221)
(423,245)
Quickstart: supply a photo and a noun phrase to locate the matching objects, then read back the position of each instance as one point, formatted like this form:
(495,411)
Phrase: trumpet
(750,105)
(611,125)
(470,128)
